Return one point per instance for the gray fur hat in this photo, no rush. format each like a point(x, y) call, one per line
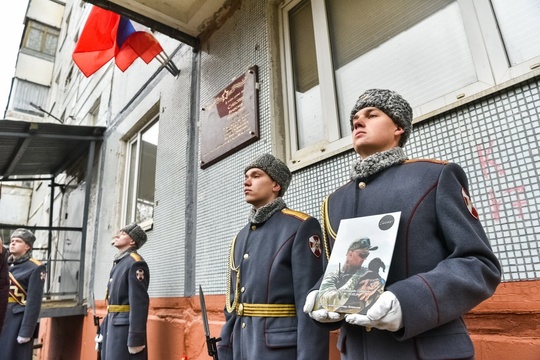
point(275, 168)
point(136, 233)
point(24, 234)
point(362, 243)
point(392, 104)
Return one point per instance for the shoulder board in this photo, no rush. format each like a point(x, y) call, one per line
point(300, 215)
point(136, 256)
point(35, 261)
point(347, 183)
point(435, 161)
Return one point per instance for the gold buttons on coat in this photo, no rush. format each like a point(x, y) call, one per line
point(253, 227)
point(361, 185)
point(246, 256)
point(243, 325)
point(243, 289)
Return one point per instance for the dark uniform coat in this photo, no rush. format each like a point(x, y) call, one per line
point(442, 265)
point(4, 285)
point(279, 261)
point(128, 285)
point(21, 320)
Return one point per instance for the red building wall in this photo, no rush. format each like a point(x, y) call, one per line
point(506, 326)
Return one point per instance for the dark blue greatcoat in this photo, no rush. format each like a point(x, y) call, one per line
point(277, 266)
point(128, 285)
point(442, 266)
point(21, 320)
point(4, 285)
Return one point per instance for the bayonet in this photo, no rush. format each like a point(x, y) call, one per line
point(210, 341)
point(98, 326)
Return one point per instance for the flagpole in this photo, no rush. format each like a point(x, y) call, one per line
point(164, 63)
point(167, 62)
point(167, 66)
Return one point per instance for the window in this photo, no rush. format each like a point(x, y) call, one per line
point(5, 236)
point(91, 117)
point(69, 77)
point(141, 175)
point(519, 27)
point(65, 28)
point(434, 53)
point(40, 39)
point(27, 93)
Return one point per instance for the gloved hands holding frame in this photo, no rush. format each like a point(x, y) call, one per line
point(385, 314)
point(320, 315)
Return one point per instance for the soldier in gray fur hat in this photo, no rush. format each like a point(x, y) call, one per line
point(425, 296)
point(27, 277)
point(276, 257)
point(127, 299)
point(4, 282)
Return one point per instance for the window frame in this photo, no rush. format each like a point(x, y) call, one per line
point(136, 137)
point(46, 29)
point(493, 71)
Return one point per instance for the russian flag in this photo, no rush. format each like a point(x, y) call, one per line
point(138, 44)
point(106, 35)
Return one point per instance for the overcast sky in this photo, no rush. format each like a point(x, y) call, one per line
point(11, 27)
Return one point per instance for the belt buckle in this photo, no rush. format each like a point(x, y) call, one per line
point(240, 310)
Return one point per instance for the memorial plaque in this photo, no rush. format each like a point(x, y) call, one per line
point(231, 121)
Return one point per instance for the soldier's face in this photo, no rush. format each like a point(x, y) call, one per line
point(374, 131)
point(18, 247)
point(259, 188)
point(123, 241)
point(355, 259)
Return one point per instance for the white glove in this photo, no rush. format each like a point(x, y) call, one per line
point(98, 340)
point(22, 340)
point(321, 315)
point(385, 314)
point(135, 349)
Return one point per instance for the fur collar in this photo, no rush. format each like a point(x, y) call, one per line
point(262, 214)
point(377, 162)
point(13, 260)
point(120, 255)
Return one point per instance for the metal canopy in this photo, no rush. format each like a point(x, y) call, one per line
point(40, 151)
point(37, 149)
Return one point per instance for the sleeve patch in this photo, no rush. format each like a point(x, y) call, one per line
point(140, 274)
point(315, 245)
point(469, 204)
